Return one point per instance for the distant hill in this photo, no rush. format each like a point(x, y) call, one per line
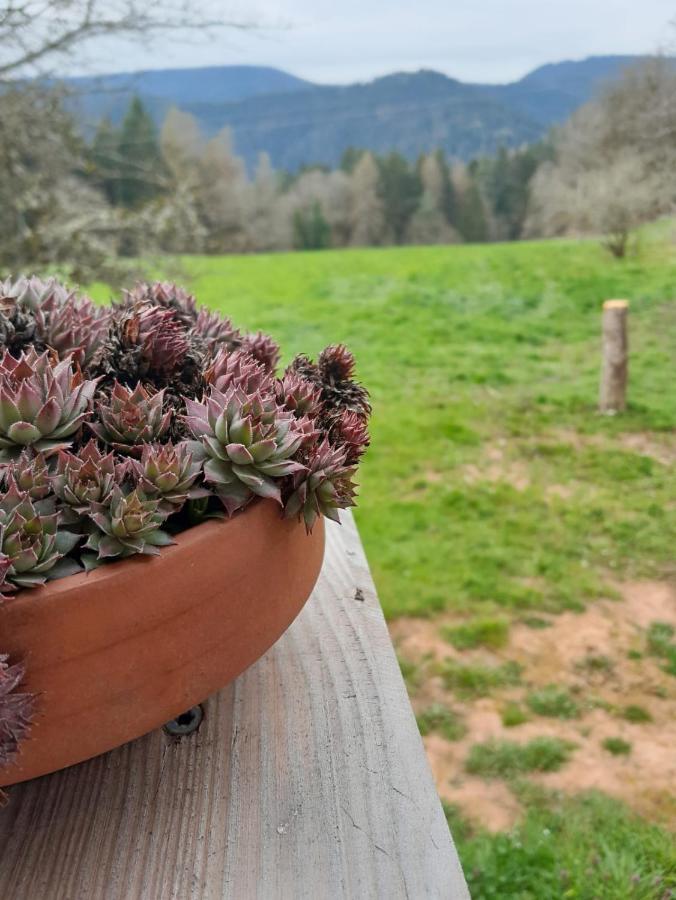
point(297, 122)
point(109, 95)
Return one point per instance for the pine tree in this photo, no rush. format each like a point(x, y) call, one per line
point(472, 222)
point(311, 231)
point(399, 189)
point(140, 160)
point(449, 201)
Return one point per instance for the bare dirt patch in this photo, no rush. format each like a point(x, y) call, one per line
point(593, 655)
point(658, 447)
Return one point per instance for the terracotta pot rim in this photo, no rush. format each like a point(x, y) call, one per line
point(112, 571)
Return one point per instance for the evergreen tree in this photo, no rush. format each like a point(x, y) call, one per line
point(350, 159)
point(449, 201)
point(140, 160)
point(105, 161)
point(472, 222)
point(400, 189)
point(311, 231)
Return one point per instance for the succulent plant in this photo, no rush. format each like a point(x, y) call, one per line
point(30, 540)
point(216, 331)
point(65, 322)
point(168, 473)
point(336, 363)
point(350, 432)
point(16, 710)
point(323, 488)
point(247, 442)
point(237, 368)
point(165, 295)
point(263, 349)
point(295, 440)
point(131, 418)
point(296, 393)
point(83, 479)
point(17, 321)
point(29, 474)
point(34, 293)
point(43, 402)
point(126, 524)
point(339, 390)
point(161, 338)
point(333, 375)
point(5, 586)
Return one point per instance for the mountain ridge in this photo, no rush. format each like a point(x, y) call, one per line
point(298, 122)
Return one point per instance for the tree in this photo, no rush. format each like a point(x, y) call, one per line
point(614, 161)
point(399, 189)
point(104, 160)
point(311, 231)
point(367, 215)
point(609, 201)
point(140, 164)
point(429, 224)
point(181, 144)
point(449, 203)
point(50, 214)
point(220, 194)
point(471, 216)
point(35, 34)
point(261, 212)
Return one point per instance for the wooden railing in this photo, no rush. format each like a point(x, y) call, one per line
point(307, 778)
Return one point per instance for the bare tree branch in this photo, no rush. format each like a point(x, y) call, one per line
point(33, 32)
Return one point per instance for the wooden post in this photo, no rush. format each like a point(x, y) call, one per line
point(614, 367)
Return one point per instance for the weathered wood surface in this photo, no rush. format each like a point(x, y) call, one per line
point(307, 779)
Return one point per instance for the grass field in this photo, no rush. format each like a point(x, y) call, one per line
point(497, 505)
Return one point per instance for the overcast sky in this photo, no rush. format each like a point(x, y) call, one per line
point(474, 40)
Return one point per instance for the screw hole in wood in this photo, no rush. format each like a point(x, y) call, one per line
point(185, 724)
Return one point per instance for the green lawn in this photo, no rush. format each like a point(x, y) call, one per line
point(475, 354)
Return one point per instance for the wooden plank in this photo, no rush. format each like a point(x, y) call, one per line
point(307, 779)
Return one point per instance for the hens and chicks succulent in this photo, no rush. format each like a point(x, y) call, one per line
point(121, 425)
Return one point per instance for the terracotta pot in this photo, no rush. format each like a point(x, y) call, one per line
point(117, 653)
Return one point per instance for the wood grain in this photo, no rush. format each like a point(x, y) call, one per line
point(307, 779)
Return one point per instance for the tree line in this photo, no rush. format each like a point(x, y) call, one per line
point(133, 189)
point(200, 197)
